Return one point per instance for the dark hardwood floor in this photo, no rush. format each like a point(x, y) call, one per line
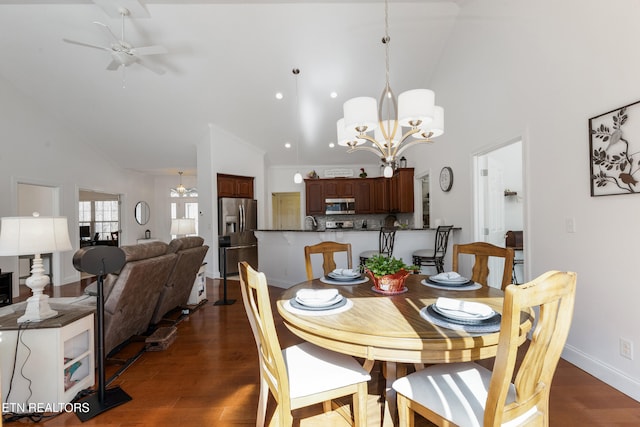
point(209, 377)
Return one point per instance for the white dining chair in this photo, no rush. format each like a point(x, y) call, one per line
point(469, 395)
point(300, 375)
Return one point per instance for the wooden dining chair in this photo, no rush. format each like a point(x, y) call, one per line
point(482, 252)
point(467, 394)
point(300, 375)
point(327, 249)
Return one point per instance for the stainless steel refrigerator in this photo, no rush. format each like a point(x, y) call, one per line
point(237, 219)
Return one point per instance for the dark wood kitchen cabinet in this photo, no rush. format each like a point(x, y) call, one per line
point(314, 194)
point(372, 195)
point(363, 193)
point(235, 186)
point(401, 186)
point(381, 196)
point(339, 188)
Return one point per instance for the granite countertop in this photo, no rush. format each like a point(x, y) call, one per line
point(321, 230)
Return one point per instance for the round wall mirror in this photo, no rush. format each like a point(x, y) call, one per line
point(142, 213)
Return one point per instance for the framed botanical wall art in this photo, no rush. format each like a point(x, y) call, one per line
point(614, 145)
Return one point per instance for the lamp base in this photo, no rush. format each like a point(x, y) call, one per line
point(37, 310)
point(112, 397)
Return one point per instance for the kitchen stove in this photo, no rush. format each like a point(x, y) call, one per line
point(338, 224)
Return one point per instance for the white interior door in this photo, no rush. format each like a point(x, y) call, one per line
point(496, 171)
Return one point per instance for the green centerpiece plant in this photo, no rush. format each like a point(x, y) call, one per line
point(388, 273)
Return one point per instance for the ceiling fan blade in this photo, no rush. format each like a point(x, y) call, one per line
point(87, 45)
point(106, 29)
point(113, 65)
point(149, 66)
point(149, 50)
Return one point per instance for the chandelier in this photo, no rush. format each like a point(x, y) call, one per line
point(414, 109)
point(182, 191)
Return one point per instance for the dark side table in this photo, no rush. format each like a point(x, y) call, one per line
point(6, 288)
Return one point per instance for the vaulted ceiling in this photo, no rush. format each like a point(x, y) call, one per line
point(225, 61)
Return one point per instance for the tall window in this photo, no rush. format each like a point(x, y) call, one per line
point(106, 217)
point(102, 216)
point(185, 209)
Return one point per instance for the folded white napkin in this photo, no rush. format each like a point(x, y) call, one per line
point(347, 272)
point(316, 295)
point(447, 275)
point(471, 308)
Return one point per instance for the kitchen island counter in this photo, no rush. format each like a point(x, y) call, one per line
point(281, 252)
point(322, 230)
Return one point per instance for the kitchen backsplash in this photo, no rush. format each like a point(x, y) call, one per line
point(374, 222)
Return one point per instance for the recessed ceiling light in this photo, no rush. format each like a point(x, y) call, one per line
point(331, 145)
point(287, 145)
point(334, 94)
point(279, 95)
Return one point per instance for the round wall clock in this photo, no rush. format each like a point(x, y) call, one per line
point(446, 178)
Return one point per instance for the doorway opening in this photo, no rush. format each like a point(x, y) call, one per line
point(426, 222)
point(98, 220)
point(45, 200)
point(499, 202)
point(286, 210)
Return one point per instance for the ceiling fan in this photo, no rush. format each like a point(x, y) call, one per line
point(124, 54)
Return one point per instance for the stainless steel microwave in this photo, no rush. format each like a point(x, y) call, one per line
point(340, 206)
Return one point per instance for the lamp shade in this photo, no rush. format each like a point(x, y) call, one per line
point(183, 226)
point(361, 112)
point(435, 127)
point(387, 129)
point(347, 137)
point(415, 105)
point(31, 235)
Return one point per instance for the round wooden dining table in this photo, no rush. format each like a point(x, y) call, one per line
point(390, 329)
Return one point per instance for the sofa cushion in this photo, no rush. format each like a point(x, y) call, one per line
point(183, 243)
point(132, 253)
point(144, 251)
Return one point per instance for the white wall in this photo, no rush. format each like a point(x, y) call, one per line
point(539, 70)
point(225, 153)
point(36, 150)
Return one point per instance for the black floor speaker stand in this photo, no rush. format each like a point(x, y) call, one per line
point(224, 300)
point(100, 260)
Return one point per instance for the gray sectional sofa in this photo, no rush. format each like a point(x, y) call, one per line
point(156, 278)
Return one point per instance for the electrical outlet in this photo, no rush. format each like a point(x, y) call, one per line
point(570, 225)
point(626, 348)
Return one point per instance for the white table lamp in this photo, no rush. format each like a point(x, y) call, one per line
point(35, 235)
point(183, 226)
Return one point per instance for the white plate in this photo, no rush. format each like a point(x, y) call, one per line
point(342, 278)
point(469, 311)
point(446, 281)
point(346, 273)
point(319, 303)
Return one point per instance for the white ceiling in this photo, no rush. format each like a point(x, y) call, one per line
point(226, 61)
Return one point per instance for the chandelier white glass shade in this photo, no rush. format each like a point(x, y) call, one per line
point(35, 235)
point(182, 191)
point(183, 226)
point(377, 126)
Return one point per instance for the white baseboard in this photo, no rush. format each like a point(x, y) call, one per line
point(603, 371)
